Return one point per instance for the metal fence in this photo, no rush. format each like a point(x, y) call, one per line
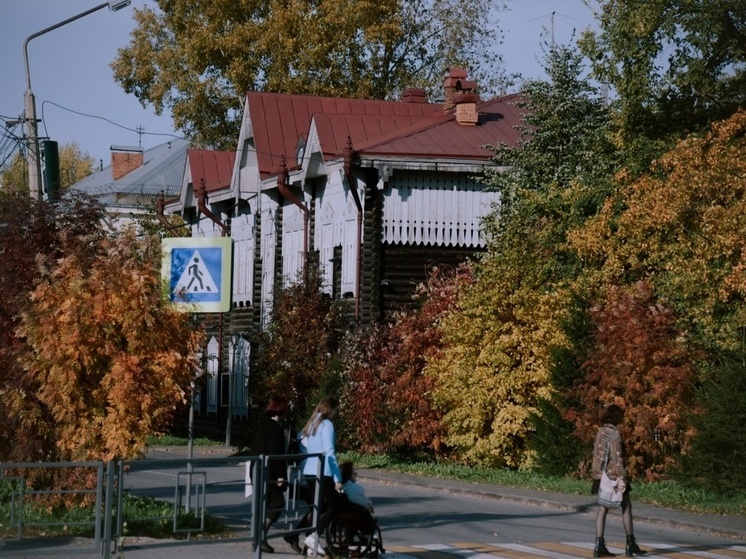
point(195, 490)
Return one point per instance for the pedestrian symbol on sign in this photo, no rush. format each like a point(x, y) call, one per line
point(195, 278)
point(197, 273)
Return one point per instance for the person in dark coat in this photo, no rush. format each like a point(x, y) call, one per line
point(271, 439)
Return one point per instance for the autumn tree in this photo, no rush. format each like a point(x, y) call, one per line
point(297, 350)
point(681, 228)
point(387, 395)
point(75, 165)
point(31, 231)
point(675, 67)
point(199, 57)
point(640, 361)
point(493, 370)
point(108, 359)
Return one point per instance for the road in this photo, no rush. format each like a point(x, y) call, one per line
point(412, 516)
point(456, 520)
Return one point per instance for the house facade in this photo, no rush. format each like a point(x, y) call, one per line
point(376, 191)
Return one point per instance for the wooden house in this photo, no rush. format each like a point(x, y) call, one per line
point(377, 190)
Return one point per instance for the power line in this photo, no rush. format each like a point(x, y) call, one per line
point(138, 130)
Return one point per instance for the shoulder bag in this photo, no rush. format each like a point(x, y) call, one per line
point(609, 493)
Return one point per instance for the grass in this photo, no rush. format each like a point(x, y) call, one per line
point(156, 519)
point(666, 494)
point(150, 518)
point(171, 440)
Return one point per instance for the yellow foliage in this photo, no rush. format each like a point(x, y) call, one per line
point(494, 365)
point(682, 228)
point(111, 359)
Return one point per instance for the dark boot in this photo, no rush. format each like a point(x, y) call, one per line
point(293, 541)
point(265, 547)
point(632, 549)
point(600, 549)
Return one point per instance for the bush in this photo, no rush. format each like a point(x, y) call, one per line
point(718, 450)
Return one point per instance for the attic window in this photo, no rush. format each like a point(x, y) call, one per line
point(300, 149)
point(248, 146)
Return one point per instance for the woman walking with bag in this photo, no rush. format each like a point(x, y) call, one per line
point(608, 457)
point(318, 437)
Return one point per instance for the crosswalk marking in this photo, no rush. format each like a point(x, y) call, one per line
point(558, 550)
point(476, 551)
point(703, 551)
point(538, 551)
point(573, 550)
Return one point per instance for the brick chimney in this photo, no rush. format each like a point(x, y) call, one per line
point(414, 95)
point(461, 96)
point(124, 160)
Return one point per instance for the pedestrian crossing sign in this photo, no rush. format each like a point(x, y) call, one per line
point(197, 273)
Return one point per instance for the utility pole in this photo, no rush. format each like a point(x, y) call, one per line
point(33, 157)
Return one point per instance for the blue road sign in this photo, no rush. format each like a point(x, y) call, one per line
point(197, 273)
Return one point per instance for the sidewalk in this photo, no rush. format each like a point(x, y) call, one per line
point(240, 547)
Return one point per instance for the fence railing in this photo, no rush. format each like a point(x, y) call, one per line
point(194, 488)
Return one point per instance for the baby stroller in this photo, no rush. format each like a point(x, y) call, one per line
point(354, 532)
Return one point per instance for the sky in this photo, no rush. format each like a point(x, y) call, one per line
point(78, 100)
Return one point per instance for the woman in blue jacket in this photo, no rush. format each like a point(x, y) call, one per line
point(318, 438)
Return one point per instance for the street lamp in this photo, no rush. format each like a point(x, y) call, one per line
point(33, 158)
point(235, 337)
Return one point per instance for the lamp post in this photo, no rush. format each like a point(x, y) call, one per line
point(33, 158)
point(235, 336)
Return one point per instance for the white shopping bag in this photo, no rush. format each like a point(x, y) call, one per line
point(248, 486)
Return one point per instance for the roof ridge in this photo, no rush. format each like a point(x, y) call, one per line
point(430, 122)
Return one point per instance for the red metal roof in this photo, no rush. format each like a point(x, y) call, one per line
point(377, 128)
point(215, 167)
point(445, 138)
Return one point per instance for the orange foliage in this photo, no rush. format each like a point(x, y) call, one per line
point(682, 228)
point(110, 360)
point(640, 362)
point(387, 397)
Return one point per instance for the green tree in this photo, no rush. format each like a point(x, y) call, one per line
point(715, 460)
point(675, 66)
point(14, 176)
point(493, 370)
point(199, 57)
point(108, 359)
point(553, 439)
point(75, 165)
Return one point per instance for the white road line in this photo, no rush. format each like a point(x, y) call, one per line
point(535, 551)
point(690, 551)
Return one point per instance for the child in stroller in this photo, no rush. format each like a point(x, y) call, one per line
point(354, 532)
